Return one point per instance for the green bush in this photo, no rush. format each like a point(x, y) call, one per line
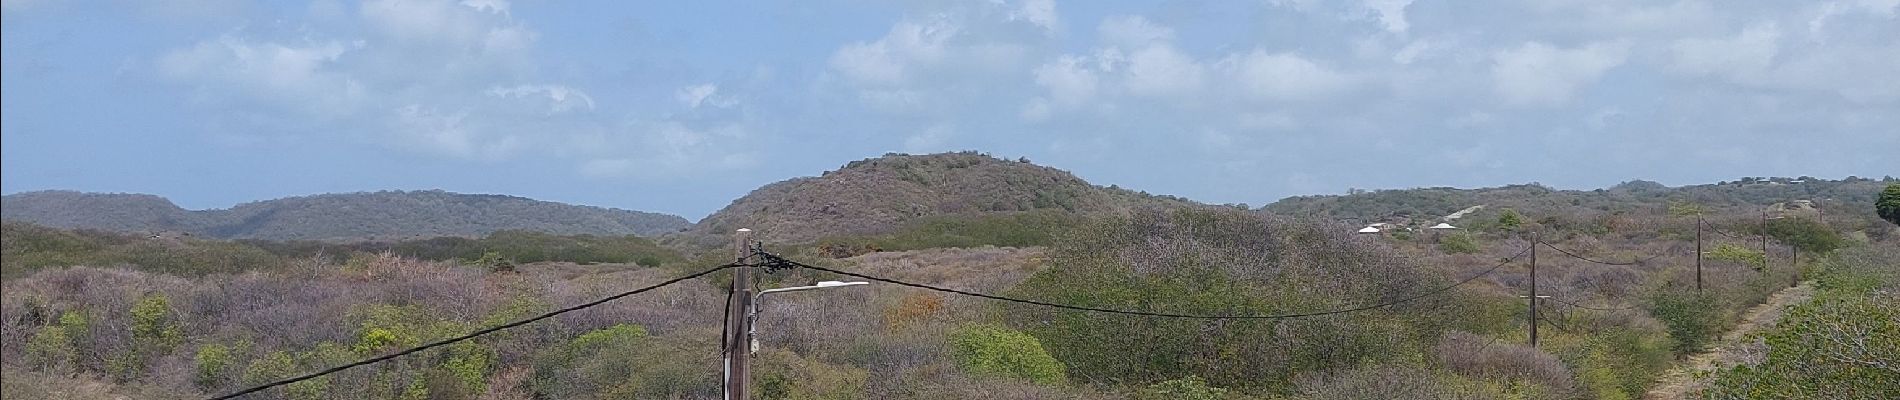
point(1691, 318)
point(1458, 243)
point(1839, 345)
point(998, 351)
point(56, 346)
point(215, 362)
point(1808, 235)
point(1738, 254)
point(781, 374)
point(1509, 220)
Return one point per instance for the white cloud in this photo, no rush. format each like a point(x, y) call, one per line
point(1041, 13)
point(1540, 74)
point(671, 149)
point(702, 95)
point(559, 99)
point(1391, 14)
point(931, 139)
point(1284, 76)
point(893, 58)
point(1746, 56)
point(1133, 31)
point(449, 133)
point(1069, 80)
point(304, 78)
point(1162, 70)
point(465, 25)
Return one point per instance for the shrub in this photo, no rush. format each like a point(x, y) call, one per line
point(155, 332)
point(781, 374)
point(1807, 234)
point(1458, 243)
point(215, 362)
point(1692, 322)
point(1738, 254)
point(998, 351)
point(1509, 220)
point(56, 346)
point(1839, 345)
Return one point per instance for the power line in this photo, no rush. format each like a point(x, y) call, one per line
point(1717, 231)
point(772, 261)
point(1580, 257)
point(1592, 308)
point(471, 335)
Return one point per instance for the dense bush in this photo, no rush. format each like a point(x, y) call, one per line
point(1692, 322)
point(999, 351)
point(25, 248)
point(1218, 262)
point(1843, 344)
point(499, 248)
point(1458, 243)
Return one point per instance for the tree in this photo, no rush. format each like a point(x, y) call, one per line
point(1509, 220)
point(1889, 205)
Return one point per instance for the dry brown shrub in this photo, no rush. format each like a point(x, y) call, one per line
point(1479, 357)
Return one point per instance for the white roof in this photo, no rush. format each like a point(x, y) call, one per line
point(1368, 230)
point(1442, 225)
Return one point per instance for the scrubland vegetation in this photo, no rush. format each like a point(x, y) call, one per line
point(95, 315)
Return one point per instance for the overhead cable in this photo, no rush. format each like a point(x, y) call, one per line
point(1580, 257)
point(471, 335)
point(774, 259)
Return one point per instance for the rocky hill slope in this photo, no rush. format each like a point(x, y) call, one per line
point(881, 194)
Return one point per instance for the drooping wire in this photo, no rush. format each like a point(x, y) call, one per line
point(1573, 304)
point(1712, 228)
point(772, 258)
point(471, 335)
point(1580, 257)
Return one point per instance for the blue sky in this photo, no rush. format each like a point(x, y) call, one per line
point(680, 107)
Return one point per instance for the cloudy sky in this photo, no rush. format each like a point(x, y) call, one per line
point(680, 107)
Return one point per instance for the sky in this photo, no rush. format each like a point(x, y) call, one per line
point(681, 107)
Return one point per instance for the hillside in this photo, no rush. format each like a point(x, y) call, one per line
point(879, 195)
point(1743, 196)
point(350, 216)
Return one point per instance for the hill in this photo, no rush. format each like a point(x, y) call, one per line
point(880, 195)
point(349, 216)
point(1743, 196)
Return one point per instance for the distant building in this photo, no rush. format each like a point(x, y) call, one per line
point(1368, 230)
point(1442, 226)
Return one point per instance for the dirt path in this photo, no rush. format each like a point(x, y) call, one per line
point(1681, 381)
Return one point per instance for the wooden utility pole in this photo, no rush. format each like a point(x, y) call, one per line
point(1533, 289)
point(1698, 253)
point(738, 347)
point(1764, 240)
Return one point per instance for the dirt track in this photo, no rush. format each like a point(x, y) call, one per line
point(1681, 382)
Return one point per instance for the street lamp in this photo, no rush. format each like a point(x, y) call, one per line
point(752, 315)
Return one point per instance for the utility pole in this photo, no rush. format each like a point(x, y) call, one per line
point(1698, 253)
point(1764, 240)
point(738, 346)
point(1533, 289)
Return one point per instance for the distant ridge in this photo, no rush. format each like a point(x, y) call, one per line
point(344, 216)
point(880, 194)
point(1854, 195)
